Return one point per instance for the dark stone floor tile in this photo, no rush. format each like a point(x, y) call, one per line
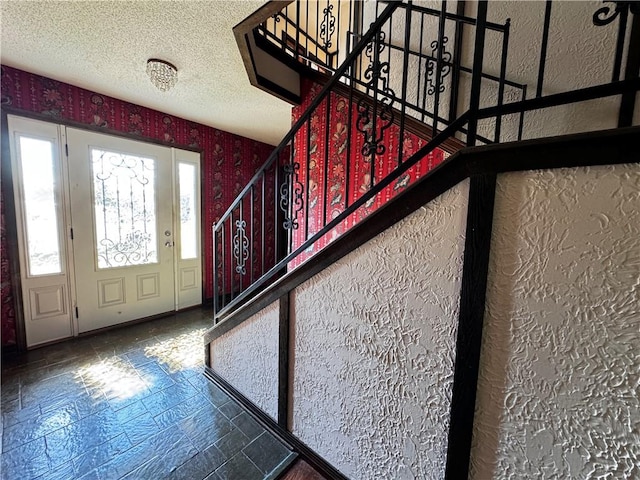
point(140, 428)
point(12, 417)
point(209, 390)
point(232, 443)
point(155, 377)
point(179, 412)
point(90, 404)
point(72, 441)
point(100, 454)
point(130, 412)
point(138, 357)
point(239, 467)
point(266, 452)
point(66, 471)
point(169, 397)
point(26, 462)
point(248, 425)
point(165, 462)
point(52, 390)
point(206, 427)
point(230, 409)
point(139, 454)
point(38, 426)
point(199, 466)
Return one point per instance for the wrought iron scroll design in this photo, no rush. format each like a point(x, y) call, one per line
point(291, 192)
point(375, 116)
point(438, 48)
point(328, 26)
point(241, 247)
point(607, 14)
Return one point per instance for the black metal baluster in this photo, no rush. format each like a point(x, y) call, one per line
point(405, 69)
point(223, 265)
point(374, 133)
point(326, 161)
point(543, 47)
point(521, 121)
point(317, 22)
point(231, 262)
point(503, 73)
point(252, 234)
point(308, 182)
point(297, 46)
point(337, 53)
point(347, 167)
point(440, 43)
point(424, 77)
point(276, 210)
point(263, 208)
point(457, 55)
point(476, 76)
point(622, 32)
point(215, 271)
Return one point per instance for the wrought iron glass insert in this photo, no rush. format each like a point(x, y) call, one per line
point(125, 210)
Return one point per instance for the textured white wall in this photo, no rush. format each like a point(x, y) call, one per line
point(374, 338)
point(560, 370)
point(247, 357)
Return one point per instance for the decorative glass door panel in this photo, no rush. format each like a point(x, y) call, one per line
point(125, 214)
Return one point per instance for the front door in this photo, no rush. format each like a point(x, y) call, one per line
point(121, 209)
point(108, 228)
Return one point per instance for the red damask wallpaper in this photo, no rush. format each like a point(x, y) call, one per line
point(228, 160)
point(311, 155)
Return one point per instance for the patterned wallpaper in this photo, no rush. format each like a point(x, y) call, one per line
point(228, 160)
point(345, 183)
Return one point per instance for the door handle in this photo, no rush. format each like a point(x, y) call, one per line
point(168, 244)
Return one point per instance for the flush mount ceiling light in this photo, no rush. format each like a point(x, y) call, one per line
point(162, 74)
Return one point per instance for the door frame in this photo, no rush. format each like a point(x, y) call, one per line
point(11, 225)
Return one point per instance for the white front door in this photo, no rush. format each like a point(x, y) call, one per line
point(121, 208)
point(108, 228)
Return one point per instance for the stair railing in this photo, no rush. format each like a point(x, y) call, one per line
point(267, 226)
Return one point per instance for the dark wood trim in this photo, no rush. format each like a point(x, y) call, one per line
point(584, 149)
point(309, 456)
point(11, 229)
point(632, 70)
point(245, 28)
point(482, 190)
point(283, 363)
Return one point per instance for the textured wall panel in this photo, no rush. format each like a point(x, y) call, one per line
point(560, 368)
point(374, 339)
point(247, 357)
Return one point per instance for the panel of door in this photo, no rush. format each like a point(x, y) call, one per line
point(121, 209)
point(38, 173)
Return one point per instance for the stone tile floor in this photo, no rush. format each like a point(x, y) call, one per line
point(129, 403)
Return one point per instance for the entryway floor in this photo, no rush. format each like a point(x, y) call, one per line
point(129, 403)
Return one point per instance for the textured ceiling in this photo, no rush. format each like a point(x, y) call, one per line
point(104, 45)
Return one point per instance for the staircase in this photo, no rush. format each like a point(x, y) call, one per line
point(405, 107)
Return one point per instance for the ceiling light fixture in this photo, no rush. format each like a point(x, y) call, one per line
point(162, 74)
